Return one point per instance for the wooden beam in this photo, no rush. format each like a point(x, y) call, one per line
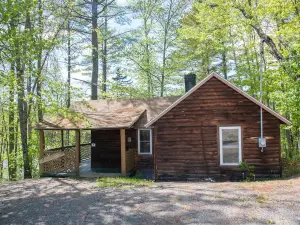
point(51, 157)
point(42, 149)
point(62, 140)
point(77, 152)
point(123, 151)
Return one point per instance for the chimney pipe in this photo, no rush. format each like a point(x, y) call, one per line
point(189, 81)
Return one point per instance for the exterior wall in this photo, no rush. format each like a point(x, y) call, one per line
point(107, 152)
point(186, 138)
point(145, 163)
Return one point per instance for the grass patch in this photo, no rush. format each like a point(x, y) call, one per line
point(261, 199)
point(120, 182)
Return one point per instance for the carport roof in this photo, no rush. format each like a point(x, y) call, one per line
point(107, 114)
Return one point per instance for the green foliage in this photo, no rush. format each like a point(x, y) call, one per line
point(224, 36)
point(169, 39)
point(291, 166)
point(251, 169)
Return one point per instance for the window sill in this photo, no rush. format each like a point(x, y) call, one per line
point(226, 166)
point(145, 154)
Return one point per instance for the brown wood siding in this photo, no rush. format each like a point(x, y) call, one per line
point(145, 163)
point(132, 134)
point(187, 136)
point(107, 153)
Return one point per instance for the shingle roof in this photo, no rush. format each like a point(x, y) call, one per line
point(108, 114)
point(126, 113)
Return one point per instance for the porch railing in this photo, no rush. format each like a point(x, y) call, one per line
point(85, 151)
point(64, 158)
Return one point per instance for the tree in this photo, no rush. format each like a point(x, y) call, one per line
point(234, 30)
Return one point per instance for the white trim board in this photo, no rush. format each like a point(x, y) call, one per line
point(139, 143)
point(222, 147)
point(266, 108)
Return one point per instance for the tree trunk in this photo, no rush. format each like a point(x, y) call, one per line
point(147, 49)
point(69, 66)
point(289, 138)
point(22, 103)
point(224, 64)
point(22, 106)
point(39, 69)
point(95, 56)
point(162, 87)
point(11, 128)
point(104, 53)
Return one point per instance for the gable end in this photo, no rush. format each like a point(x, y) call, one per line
point(229, 84)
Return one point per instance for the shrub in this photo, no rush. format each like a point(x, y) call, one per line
point(291, 166)
point(251, 169)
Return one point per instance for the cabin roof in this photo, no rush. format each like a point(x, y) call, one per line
point(107, 114)
point(125, 113)
point(229, 84)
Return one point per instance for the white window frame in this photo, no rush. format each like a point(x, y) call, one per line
point(221, 145)
point(139, 143)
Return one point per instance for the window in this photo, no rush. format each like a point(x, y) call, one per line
point(230, 145)
point(145, 141)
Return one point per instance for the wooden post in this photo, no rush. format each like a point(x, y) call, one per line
point(123, 151)
point(77, 152)
point(62, 140)
point(42, 150)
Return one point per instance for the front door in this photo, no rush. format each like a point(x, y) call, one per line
point(106, 150)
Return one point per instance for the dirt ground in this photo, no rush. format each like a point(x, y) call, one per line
point(70, 201)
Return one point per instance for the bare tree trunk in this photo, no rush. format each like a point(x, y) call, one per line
point(104, 52)
point(11, 128)
point(4, 145)
point(69, 66)
point(39, 69)
point(224, 64)
point(22, 106)
point(22, 103)
point(162, 87)
point(147, 49)
point(289, 138)
point(166, 31)
point(95, 56)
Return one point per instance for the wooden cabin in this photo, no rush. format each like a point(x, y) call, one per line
point(206, 133)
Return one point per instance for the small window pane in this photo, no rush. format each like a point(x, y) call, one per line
point(230, 138)
point(144, 135)
point(230, 155)
point(144, 147)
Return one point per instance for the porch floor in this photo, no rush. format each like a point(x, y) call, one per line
point(86, 171)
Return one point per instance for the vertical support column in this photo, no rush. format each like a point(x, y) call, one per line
point(123, 151)
point(77, 152)
point(42, 150)
point(62, 140)
point(62, 161)
point(154, 140)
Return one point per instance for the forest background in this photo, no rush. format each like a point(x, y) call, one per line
point(54, 52)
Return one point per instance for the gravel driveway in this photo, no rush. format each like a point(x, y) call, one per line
point(70, 201)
